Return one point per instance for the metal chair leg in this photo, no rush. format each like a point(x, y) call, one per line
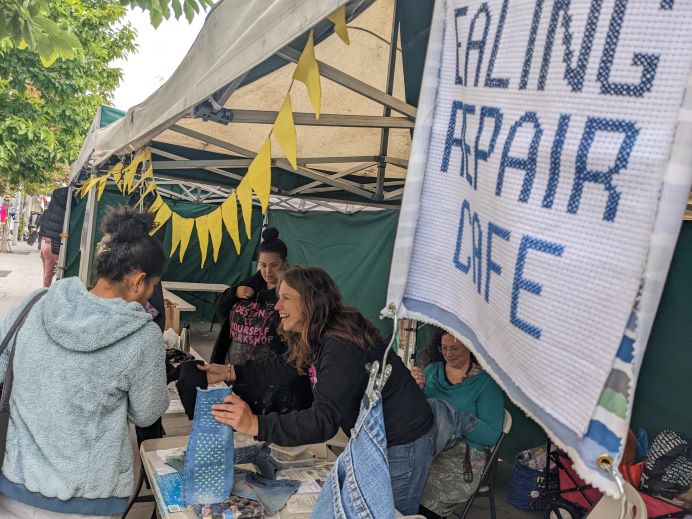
point(467, 507)
point(491, 498)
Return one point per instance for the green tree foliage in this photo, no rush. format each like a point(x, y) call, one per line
point(36, 24)
point(163, 9)
point(45, 112)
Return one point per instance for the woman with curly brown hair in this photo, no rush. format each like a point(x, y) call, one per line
point(333, 343)
point(454, 376)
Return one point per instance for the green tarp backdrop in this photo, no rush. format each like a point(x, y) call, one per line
point(355, 249)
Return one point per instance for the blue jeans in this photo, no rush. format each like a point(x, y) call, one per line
point(451, 425)
point(409, 465)
point(272, 493)
point(359, 485)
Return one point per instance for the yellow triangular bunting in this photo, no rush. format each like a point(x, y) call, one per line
point(186, 225)
point(149, 173)
point(117, 172)
point(175, 232)
point(82, 191)
point(156, 205)
point(285, 132)
point(151, 187)
point(308, 72)
point(202, 224)
point(229, 213)
point(129, 176)
point(102, 181)
point(162, 216)
point(259, 174)
point(244, 194)
point(338, 18)
point(215, 229)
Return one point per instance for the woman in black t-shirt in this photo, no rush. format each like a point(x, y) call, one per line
point(333, 343)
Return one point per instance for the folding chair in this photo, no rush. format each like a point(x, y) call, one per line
point(486, 488)
point(608, 507)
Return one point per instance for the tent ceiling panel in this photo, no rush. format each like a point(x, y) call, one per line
point(237, 36)
point(340, 154)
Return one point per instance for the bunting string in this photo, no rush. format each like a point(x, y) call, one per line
point(209, 227)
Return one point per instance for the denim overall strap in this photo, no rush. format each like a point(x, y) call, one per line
point(208, 476)
point(359, 485)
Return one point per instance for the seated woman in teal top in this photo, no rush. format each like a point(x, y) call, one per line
point(454, 375)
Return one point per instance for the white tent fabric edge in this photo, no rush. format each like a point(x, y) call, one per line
point(259, 30)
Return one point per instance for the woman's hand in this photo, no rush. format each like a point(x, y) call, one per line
point(218, 373)
point(236, 413)
point(243, 292)
point(418, 376)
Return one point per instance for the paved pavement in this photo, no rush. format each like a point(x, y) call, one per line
point(20, 274)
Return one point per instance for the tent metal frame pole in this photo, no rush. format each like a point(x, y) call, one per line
point(245, 162)
point(62, 257)
point(214, 190)
point(219, 98)
point(350, 171)
point(384, 136)
point(308, 119)
point(161, 165)
point(217, 171)
point(88, 237)
point(173, 194)
point(280, 163)
point(356, 85)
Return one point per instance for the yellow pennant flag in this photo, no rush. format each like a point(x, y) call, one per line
point(186, 225)
point(129, 176)
point(117, 173)
point(150, 188)
point(130, 170)
point(338, 18)
point(202, 224)
point(102, 181)
point(82, 191)
point(285, 132)
point(244, 194)
point(156, 205)
point(308, 72)
point(149, 173)
point(162, 216)
point(229, 213)
point(259, 174)
point(215, 228)
point(175, 232)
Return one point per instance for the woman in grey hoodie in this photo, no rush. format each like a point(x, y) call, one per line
point(87, 361)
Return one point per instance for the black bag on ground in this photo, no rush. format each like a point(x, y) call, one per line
point(9, 377)
point(668, 465)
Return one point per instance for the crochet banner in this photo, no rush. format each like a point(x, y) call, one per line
point(544, 195)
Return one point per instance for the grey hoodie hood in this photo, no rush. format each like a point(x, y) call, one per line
point(80, 321)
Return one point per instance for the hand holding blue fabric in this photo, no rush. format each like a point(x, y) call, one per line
point(236, 413)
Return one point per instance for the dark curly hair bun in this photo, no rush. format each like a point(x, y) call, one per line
point(272, 243)
point(126, 224)
point(270, 233)
point(126, 246)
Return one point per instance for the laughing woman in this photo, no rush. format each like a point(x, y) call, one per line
point(333, 343)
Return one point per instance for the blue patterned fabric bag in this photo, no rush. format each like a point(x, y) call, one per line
point(208, 475)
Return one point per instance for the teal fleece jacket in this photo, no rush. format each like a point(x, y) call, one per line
point(84, 366)
point(478, 395)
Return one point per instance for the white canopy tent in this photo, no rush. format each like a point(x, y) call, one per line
point(225, 94)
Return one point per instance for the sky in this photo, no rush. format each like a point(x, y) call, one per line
point(159, 53)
